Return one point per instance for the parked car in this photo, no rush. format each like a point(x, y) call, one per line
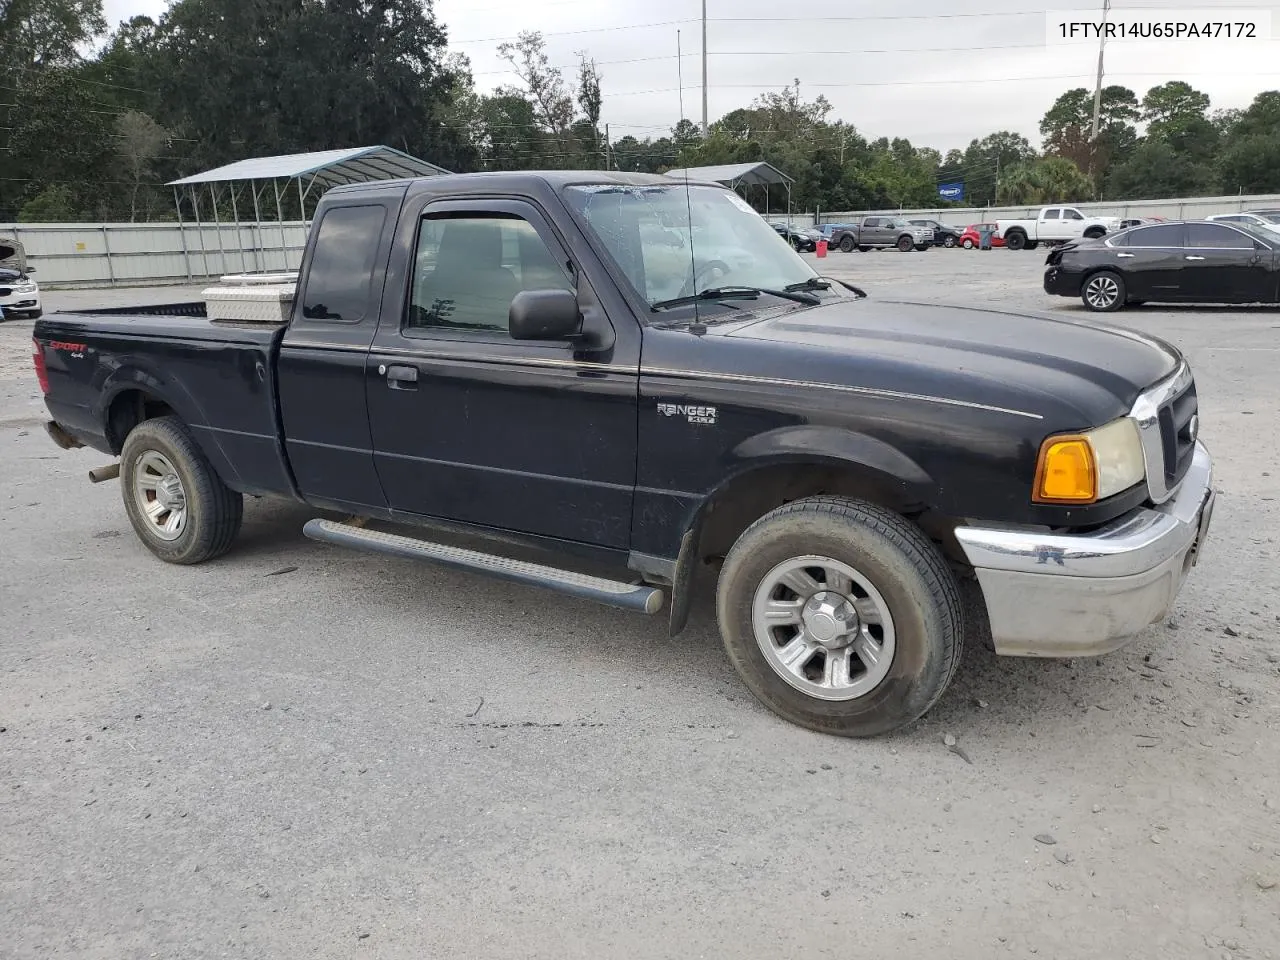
point(971, 237)
point(19, 293)
point(1139, 221)
point(1054, 225)
point(878, 232)
point(1182, 261)
point(497, 355)
point(1259, 218)
point(943, 235)
point(803, 239)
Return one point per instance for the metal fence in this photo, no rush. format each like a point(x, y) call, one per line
point(107, 254)
point(1191, 208)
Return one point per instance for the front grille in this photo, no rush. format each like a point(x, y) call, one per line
point(1178, 429)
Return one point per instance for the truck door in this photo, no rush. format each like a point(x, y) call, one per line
point(321, 366)
point(1050, 225)
point(1072, 225)
point(872, 231)
point(472, 426)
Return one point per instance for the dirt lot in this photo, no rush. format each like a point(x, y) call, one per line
point(301, 752)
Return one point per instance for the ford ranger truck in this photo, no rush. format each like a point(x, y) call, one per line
point(607, 382)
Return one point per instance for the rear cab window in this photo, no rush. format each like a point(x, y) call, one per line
point(339, 281)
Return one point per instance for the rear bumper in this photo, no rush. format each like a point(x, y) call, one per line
point(1059, 283)
point(1077, 595)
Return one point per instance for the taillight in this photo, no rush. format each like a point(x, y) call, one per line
point(37, 357)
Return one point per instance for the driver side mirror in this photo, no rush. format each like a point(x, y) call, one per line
point(545, 315)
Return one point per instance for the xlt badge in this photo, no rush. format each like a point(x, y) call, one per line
point(694, 414)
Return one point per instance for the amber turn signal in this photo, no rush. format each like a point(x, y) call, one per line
point(1067, 471)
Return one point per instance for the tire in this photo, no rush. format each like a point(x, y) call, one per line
point(1016, 240)
point(922, 621)
point(864, 249)
point(155, 452)
point(1093, 233)
point(35, 314)
point(922, 247)
point(949, 242)
point(1103, 292)
point(968, 244)
point(1032, 245)
point(906, 244)
point(846, 244)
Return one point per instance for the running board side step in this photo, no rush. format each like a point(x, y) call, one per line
point(629, 596)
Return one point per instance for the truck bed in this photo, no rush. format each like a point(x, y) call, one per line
point(217, 375)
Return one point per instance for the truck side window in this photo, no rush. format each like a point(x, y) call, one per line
point(1051, 214)
point(1070, 214)
point(469, 267)
point(339, 280)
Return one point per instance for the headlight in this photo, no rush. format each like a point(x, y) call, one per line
point(25, 288)
point(1086, 467)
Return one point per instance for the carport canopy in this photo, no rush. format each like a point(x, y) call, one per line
point(756, 174)
point(734, 175)
point(248, 180)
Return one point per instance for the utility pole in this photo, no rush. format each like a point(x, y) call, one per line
point(704, 69)
point(1097, 90)
point(996, 198)
point(679, 75)
point(606, 146)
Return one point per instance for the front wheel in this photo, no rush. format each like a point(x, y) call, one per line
point(906, 244)
point(1103, 292)
point(178, 505)
point(840, 616)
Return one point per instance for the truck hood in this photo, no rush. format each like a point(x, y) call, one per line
point(1073, 373)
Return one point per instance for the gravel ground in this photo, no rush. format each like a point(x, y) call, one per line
point(297, 751)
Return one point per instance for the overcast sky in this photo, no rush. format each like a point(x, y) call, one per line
point(939, 72)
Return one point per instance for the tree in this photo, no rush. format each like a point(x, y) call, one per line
point(1252, 164)
point(545, 84)
point(984, 158)
point(47, 33)
point(140, 143)
point(1067, 127)
point(1155, 169)
point(1045, 180)
point(1261, 117)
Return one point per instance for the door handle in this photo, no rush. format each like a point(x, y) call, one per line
point(402, 377)
point(1126, 254)
point(1193, 258)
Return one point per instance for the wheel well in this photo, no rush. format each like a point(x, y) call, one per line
point(750, 496)
point(1094, 232)
point(128, 410)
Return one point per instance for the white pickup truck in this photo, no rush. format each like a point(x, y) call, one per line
point(1053, 225)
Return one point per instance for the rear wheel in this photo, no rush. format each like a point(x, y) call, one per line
point(840, 616)
point(968, 244)
point(906, 244)
point(1016, 240)
point(1103, 292)
point(846, 244)
point(178, 505)
point(949, 242)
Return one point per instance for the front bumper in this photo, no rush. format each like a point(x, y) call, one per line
point(1079, 595)
point(18, 303)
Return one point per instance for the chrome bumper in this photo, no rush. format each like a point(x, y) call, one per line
point(1065, 595)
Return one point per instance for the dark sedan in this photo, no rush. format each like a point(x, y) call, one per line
point(1190, 261)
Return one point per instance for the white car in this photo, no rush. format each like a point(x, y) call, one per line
point(1269, 219)
point(19, 294)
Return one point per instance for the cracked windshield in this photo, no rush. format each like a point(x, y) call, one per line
point(674, 242)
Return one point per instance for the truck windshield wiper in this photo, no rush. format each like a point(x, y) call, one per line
point(823, 283)
point(738, 293)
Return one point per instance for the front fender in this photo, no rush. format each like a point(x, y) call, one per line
point(835, 446)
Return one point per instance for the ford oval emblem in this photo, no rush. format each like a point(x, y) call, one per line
point(1193, 427)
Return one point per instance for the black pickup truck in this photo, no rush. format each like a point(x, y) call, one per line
point(630, 374)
